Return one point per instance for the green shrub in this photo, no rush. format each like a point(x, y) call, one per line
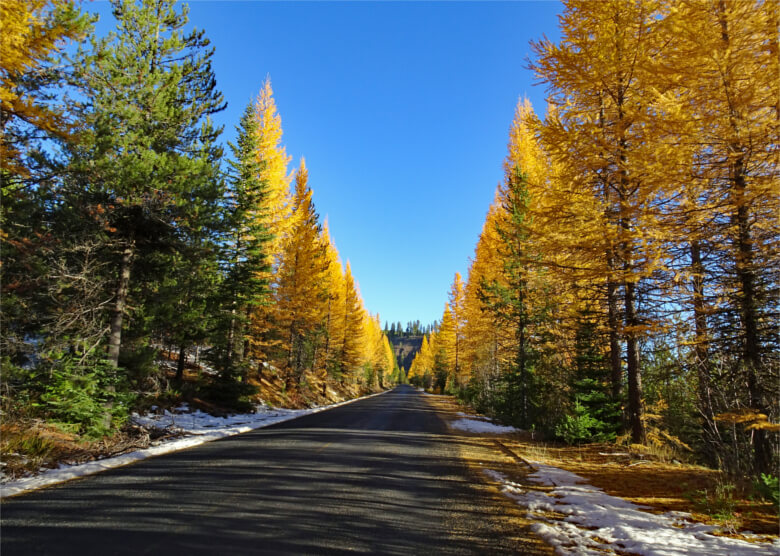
point(85, 399)
point(720, 504)
point(231, 394)
point(767, 486)
point(140, 365)
point(577, 428)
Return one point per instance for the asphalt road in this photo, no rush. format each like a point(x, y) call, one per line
point(378, 476)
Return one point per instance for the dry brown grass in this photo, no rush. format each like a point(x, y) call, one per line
point(634, 474)
point(313, 391)
point(661, 486)
point(31, 445)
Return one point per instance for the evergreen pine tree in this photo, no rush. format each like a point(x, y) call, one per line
point(246, 256)
point(513, 302)
point(591, 386)
point(147, 155)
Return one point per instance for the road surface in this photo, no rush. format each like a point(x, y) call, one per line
point(378, 476)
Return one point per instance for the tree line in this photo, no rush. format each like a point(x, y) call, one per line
point(126, 229)
point(626, 279)
point(413, 328)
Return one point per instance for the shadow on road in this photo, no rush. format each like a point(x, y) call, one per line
point(376, 476)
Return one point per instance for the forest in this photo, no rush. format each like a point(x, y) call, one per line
point(141, 261)
point(625, 284)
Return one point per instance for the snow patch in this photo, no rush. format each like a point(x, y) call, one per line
point(198, 428)
point(474, 425)
point(595, 523)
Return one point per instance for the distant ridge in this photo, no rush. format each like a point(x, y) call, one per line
point(405, 348)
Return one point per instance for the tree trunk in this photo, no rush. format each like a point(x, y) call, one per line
point(749, 316)
point(457, 354)
point(181, 363)
point(291, 358)
point(701, 346)
point(326, 354)
point(231, 339)
point(615, 362)
point(521, 361)
point(631, 332)
point(117, 319)
point(634, 377)
point(246, 348)
point(120, 304)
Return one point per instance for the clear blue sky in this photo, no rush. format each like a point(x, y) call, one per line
point(402, 110)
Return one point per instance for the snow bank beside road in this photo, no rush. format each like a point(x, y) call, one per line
point(198, 428)
point(597, 523)
point(198, 423)
point(474, 425)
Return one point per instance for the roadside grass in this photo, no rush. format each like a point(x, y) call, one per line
point(642, 476)
point(707, 494)
point(29, 445)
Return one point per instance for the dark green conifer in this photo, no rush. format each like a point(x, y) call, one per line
point(246, 256)
point(146, 167)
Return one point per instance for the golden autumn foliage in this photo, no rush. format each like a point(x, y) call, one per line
point(635, 231)
point(446, 346)
point(316, 324)
point(273, 161)
point(602, 95)
point(378, 356)
point(300, 294)
point(334, 320)
point(421, 369)
point(481, 354)
point(457, 302)
point(31, 31)
point(751, 418)
point(351, 354)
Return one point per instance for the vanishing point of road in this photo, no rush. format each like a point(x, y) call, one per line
point(381, 475)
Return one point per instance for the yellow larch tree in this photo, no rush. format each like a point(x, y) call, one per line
point(334, 319)
point(276, 212)
point(300, 294)
point(421, 369)
point(720, 120)
point(445, 355)
point(570, 227)
point(412, 374)
point(482, 353)
point(602, 90)
point(534, 269)
point(457, 301)
point(516, 298)
point(415, 373)
point(374, 361)
point(350, 356)
point(389, 361)
point(273, 161)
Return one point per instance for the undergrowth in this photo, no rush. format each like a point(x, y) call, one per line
point(720, 504)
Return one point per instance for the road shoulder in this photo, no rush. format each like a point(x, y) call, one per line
point(482, 453)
